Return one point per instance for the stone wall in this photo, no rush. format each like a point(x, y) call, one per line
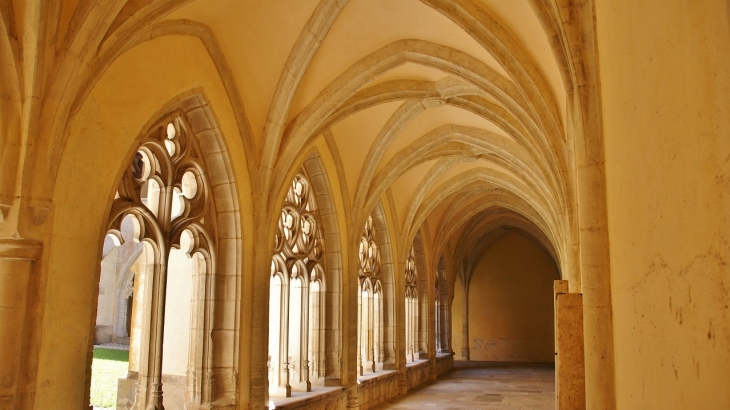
point(510, 303)
point(417, 373)
point(378, 389)
point(373, 390)
point(665, 93)
point(334, 399)
point(444, 363)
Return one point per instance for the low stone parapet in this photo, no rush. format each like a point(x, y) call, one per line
point(444, 363)
point(417, 373)
point(377, 388)
point(319, 399)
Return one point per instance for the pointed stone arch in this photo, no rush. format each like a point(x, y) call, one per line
point(424, 309)
point(324, 328)
point(333, 261)
point(389, 347)
point(213, 357)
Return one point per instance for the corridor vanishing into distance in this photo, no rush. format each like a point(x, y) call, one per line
point(350, 204)
point(485, 385)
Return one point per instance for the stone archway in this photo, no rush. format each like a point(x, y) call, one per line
point(424, 309)
point(305, 287)
point(332, 360)
point(186, 127)
point(389, 349)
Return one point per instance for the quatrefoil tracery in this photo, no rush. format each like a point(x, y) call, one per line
point(369, 254)
point(410, 276)
point(165, 187)
point(298, 243)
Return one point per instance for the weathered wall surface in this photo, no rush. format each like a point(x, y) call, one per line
point(665, 78)
point(510, 304)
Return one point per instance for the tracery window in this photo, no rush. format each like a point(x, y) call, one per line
point(370, 308)
point(165, 195)
point(297, 292)
point(411, 308)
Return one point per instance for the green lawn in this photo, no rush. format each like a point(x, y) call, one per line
point(108, 366)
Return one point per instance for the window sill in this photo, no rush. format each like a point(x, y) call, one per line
point(373, 377)
point(300, 399)
point(417, 362)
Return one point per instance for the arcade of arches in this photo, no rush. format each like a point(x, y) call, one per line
point(325, 203)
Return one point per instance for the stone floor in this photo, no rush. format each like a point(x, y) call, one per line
point(485, 385)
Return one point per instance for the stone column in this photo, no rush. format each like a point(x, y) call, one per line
point(371, 333)
point(304, 336)
point(284, 338)
point(431, 333)
point(16, 267)
point(465, 323)
point(153, 379)
point(569, 356)
point(353, 396)
point(437, 315)
point(360, 346)
point(331, 335)
point(445, 327)
point(132, 388)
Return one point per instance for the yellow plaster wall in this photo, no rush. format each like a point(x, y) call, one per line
point(511, 303)
point(665, 78)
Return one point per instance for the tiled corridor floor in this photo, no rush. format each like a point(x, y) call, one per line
point(485, 385)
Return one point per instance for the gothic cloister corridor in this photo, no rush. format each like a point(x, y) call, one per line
point(326, 204)
point(484, 385)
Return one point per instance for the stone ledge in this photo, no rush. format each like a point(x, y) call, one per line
point(371, 378)
point(23, 249)
point(306, 399)
point(376, 388)
point(416, 363)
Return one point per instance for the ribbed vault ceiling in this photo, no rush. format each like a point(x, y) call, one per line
point(452, 111)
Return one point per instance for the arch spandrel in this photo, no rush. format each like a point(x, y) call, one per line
point(130, 61)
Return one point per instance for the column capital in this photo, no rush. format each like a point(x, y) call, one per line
point(25, 249)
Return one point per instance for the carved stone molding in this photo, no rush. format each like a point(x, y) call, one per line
point(166, 193)
point(369, 253)
point(40, 214)
point(298, 256)
point(19, 249)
